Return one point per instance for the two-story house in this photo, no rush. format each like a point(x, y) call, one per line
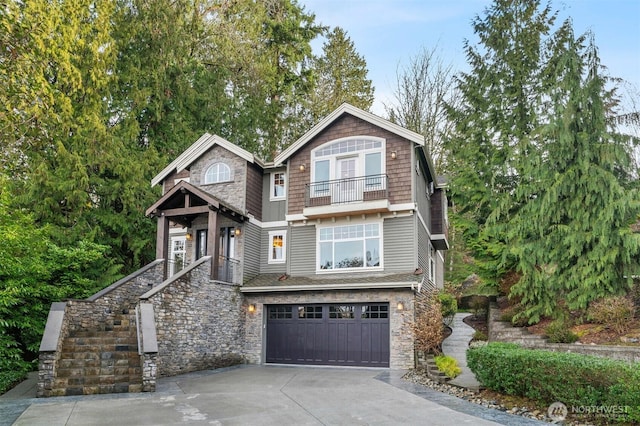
point(318, 257)
point(328, 242)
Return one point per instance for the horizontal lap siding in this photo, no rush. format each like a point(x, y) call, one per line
point(251, 239)
point(302, 250)
point(399, 244)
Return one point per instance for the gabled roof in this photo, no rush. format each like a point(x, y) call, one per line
point(356, 112)
point(199, 147)
point(199, 202)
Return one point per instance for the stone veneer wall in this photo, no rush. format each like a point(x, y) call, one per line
point(93, 312)
point(402, 353)
point(232, 192)
point(198, 321)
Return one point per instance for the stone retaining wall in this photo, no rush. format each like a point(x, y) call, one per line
point(198, 321)
point(625, 353)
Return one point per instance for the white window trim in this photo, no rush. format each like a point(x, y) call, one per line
point(432, 264)
point(204, 178)
point(270, 258)
point(361, 155)
point(272, 187)
point(351, 270)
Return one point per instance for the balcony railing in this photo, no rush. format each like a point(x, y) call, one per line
point(228, 270)
point(350, 190)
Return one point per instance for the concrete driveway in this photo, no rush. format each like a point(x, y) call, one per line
point(269, 395)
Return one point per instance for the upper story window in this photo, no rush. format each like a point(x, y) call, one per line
point(349, 158)
point(278, 188)
point(216, 173)
point(350, 247)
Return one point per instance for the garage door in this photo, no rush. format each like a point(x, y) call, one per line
point(336, 334)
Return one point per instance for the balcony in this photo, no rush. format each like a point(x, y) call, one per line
point(365, 194)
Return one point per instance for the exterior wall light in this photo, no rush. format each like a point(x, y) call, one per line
point(400, 306)
point(237, 232)
point(393, 155)
point(252, 308)
point(189, 236)
point(302, 167)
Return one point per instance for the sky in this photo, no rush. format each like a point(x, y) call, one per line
point(388, 33)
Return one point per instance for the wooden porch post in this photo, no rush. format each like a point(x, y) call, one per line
point(213, 242)
point(162, 240)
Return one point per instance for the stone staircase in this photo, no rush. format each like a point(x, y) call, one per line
point(102, 360)
point(501, 331)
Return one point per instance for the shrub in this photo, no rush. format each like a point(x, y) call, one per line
point(448, 365)
point(574, 379)
point(479, 335)
point(479, 305)
point(513, 315)
point(427, 327)
point(559, 331)
point(448, 304)
point(615, 312)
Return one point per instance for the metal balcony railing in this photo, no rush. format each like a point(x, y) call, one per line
point(350, 190)
point(228, 270)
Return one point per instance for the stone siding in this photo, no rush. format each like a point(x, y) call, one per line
point(198, 322)
point(401, 339)
point(232, 193)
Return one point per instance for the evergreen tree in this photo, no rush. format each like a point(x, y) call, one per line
point(573, 240)
point(341, 77)
point(492, 148)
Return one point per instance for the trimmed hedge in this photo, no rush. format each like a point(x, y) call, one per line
point(573, 379)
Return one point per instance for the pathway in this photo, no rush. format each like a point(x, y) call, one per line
point(456, 345)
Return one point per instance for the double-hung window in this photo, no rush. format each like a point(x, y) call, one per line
point(278, 188)
point(350, 247)
point(277, 246)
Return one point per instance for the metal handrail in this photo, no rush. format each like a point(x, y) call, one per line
point(349, 190)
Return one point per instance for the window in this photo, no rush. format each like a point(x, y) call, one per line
point(342, 311)
point(310, 312)
point(349, 158)
point(277, 246)
point(278, 190)
point(432, 264)
point(280, 312)
point(349, 247)
point(375, 311)
point(218, 172)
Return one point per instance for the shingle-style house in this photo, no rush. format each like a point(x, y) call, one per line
point(315, 258)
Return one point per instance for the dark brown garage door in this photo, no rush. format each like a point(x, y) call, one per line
point(336, 334)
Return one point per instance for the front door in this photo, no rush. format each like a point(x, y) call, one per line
point(227, 253)
point(347, 188)
point(177, 253)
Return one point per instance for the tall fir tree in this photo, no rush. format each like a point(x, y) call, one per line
point(500, 107)
point(573, 239)
point(341, 76)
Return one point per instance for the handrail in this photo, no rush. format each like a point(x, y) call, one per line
point(349, 190)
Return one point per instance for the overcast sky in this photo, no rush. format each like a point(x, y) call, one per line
point(389, 32)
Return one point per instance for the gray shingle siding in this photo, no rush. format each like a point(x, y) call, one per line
point(271, 210)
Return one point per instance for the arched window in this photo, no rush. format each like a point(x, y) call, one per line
point(218, 172)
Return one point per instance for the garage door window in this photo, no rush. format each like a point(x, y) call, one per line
point(280, 312)
point(375, 311)
point(310, 312)
point(342, 311)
